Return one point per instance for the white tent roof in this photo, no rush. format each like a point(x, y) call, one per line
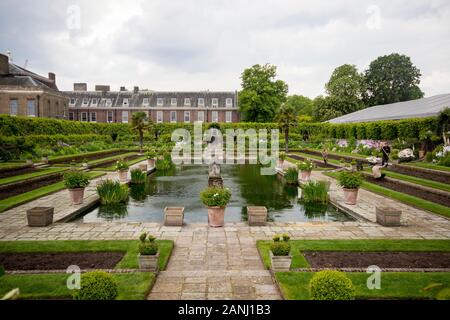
point(425, 107)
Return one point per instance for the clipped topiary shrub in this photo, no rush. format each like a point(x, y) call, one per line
point(331, 285)
point(96, 285)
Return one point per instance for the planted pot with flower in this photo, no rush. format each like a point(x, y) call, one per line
point(148, 252)
point(216, 199)
point(305, 168)
point(280, 250)
point(151, 155)
point(29, 161)
point(76, 182)
point(350, 181)
point(45, 158)
point(122, 170)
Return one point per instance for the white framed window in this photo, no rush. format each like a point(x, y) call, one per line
point(159, 117)
point(125, 102)
point(145, 102)
point(229, 102)
point(14, 107)
point(84, 117)
point(108, 103)
point(124, 116)
point(72, 101)
point(85, 102)
point(187, 116)
point(71, 116)
point(201, 116)
point(173, 102)
point(187, 101)
point(215, 102)
point(215, 116)
point(160, 102)
point(31, 108)
point(94, 102)
point(201, 102)
point(93, 116)
point(109, 117)
point(228, 116)
point(173, 116)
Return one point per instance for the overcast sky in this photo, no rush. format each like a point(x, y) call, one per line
point(198, 45)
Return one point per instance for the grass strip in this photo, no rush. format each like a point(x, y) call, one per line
point(19, 199)
point(130, 163)
point(40, 172)
point(394, 285)
point(427, 165)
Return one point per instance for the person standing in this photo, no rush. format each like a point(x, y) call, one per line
point(325, 155)
point(385, 150)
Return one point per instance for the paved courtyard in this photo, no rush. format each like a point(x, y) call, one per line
point(222, 263)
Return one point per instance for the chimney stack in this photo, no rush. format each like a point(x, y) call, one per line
point(123, 89)
point(52, 77)
point(79, 87)
point(102, 88)
point(136, 90)
point(4, 64)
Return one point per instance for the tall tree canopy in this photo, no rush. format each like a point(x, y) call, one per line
point(303, 105)
point(330, 107)
point(261, 95)
point(392, 78)
point(346, 82)
point(286, 118)
point(139, 124)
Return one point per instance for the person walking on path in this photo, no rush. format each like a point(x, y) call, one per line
point(325, 155)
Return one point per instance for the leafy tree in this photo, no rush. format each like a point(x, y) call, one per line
point(302, 104)
point(139, 124)
point(346, 82)
point(287, 118)
point(330, 107)
point(261, 95)
point(392, 78)
point(443, 124)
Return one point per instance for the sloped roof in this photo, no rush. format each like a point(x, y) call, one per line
point(425, 107)
point(22, 77)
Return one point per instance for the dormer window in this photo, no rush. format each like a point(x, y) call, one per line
point(125, 102)
point(187, 101)
point(108, 102)
point(85, 102)
point(201, 102)
point(160, 102)
point(146, 102)
point(215, 102)
point(173, 102)
point(94, 102)
point(72, 101)
point(229, 102)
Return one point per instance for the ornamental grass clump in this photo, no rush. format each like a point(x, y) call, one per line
point(147, 245)
point(281, 245)
point(315, 192)
point(350, 179)
point(97, 285)
point(138, 176)
point(215, 196)
point(331, 285)
point(74, 179)
point(291, 175)
point(112, 192)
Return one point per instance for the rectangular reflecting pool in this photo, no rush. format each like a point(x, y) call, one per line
point(182, 185)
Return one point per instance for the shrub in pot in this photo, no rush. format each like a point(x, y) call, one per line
point(280, 250)
point(331, 285)
point(122, 170)
point(148, 252)
point(350, 182)
point(76, 182)
point(96, 285)
point(216, 199)
point(151, 155)
point(305, 168)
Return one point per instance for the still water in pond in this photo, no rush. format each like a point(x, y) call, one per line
point(181, 188)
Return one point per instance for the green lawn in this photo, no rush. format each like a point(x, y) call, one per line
point(130, 163)
point(10, 165)
point(86, 154)
point(310, 156)
point(40, 172)
point(298, 261)
point(428, 165)
point(402, 197)
point(129, 261)
point(394, 285)
point(338, 153)
point(14, 201)
point(116, 157)
point(131, 286)
point(421, 181)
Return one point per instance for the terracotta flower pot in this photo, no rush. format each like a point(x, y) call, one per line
point(280, 164)
point(305, 175)
point(123, 175)
point(350, 196)
point(216, 216)
point(45, 160)
point(76, 195)
point(151, 163)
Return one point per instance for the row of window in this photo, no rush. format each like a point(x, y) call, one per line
point(107, 102)
point(92, 116)
point(14, 107)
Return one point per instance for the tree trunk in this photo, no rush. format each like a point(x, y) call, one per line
point(286, 140)
point(141, 140)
